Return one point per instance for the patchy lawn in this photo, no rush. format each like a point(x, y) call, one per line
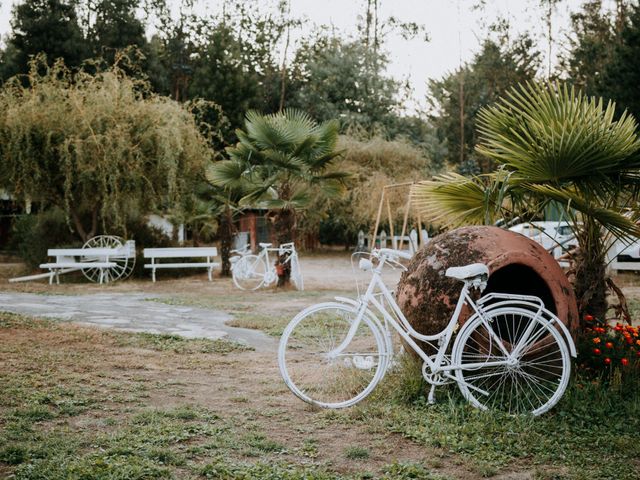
point(84, 403)
point(93, 404)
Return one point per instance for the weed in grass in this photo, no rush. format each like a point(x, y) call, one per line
point(166, 456)
point(356, 453)
point(96, 466)
point(222, 470)
point(272, 325)
point(404, 383)
point(177, 344)
point(13, 320)
point(309, 448)
point(264, 444)
point(34, 413)
point(239, 399)
point(13, 454)
point(402, 471)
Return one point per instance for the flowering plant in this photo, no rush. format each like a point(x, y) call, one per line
point(604, 348)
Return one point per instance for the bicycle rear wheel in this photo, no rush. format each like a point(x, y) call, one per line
point(317, 373)
point(535, 368)
point(249, 272)
point(296, 274)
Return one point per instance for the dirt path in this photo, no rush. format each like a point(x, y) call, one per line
point(135, 312)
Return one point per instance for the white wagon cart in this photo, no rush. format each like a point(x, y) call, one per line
point(102, 259)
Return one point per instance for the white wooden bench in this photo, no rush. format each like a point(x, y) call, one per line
point(66, 261)
point(181, 252)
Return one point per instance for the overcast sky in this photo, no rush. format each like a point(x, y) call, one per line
point(454, 27)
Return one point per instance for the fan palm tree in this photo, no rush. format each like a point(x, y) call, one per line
point(280, 160)
point(209, 211)
point(552, 145)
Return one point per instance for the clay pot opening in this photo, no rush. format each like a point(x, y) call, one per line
point(520, 279)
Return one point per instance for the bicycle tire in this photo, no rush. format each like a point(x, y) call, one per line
point(537, 375)
point(296, 274)
point(331, 381)
point(249, 272)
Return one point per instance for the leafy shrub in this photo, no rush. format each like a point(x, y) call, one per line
point(373, 163)
point(33, 234)
point(146, 236)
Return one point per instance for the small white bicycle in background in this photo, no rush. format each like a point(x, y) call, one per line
point(251, 272)
point(511, 355)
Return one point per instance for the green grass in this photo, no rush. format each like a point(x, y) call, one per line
point(244, 306)
point(272, 325)
point(356, 453)
point(177, 344)
point(65, 413)
point(87, 422)
point(592, 433)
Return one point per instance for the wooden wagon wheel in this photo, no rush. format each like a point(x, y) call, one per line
point(124, 262)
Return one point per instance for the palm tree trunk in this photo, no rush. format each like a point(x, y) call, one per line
point(226, 237)
point(590, 271)
point(285, 225)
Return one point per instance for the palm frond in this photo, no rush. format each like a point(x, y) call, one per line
point(613, 221)
point(454, 200)
point(550, 133)
point(228, 174)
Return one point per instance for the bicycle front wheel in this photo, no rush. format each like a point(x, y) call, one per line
point(317, 371)
point(515, 362)
point(249, 272)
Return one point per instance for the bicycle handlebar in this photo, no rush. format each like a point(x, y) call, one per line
point(389, 252)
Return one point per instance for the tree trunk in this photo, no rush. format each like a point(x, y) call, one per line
point(226, 237)
point(590, 272)
point(80, 230)
point(285, 225)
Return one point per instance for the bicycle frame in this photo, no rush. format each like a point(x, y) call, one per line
point(408, 333)
point(264, 255)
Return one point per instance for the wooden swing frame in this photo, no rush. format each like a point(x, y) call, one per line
point(405, 220)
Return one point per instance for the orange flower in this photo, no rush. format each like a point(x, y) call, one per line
point(597, 340)
point(625, 362)
point(608, 345)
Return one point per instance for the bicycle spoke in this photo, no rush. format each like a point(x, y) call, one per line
point(531, 381)
point(333, 380)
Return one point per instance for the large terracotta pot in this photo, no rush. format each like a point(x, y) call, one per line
point(516, 264)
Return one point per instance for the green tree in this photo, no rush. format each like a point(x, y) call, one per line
point(100, 146)
point(333, 78)
point(591, 44)
point(457, 98)
point(372, 164)
point(225, 74)
point(43, 26)
point(552, 144)
point(116, 27)
point(621, 75)
point(280, 161)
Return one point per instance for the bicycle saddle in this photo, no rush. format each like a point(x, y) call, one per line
point(265, 245)
point(468, 271)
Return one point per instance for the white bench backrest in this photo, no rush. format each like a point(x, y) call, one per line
point(179, 252)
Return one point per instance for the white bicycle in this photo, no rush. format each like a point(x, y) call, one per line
point(512, 354)
point(251, 272)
